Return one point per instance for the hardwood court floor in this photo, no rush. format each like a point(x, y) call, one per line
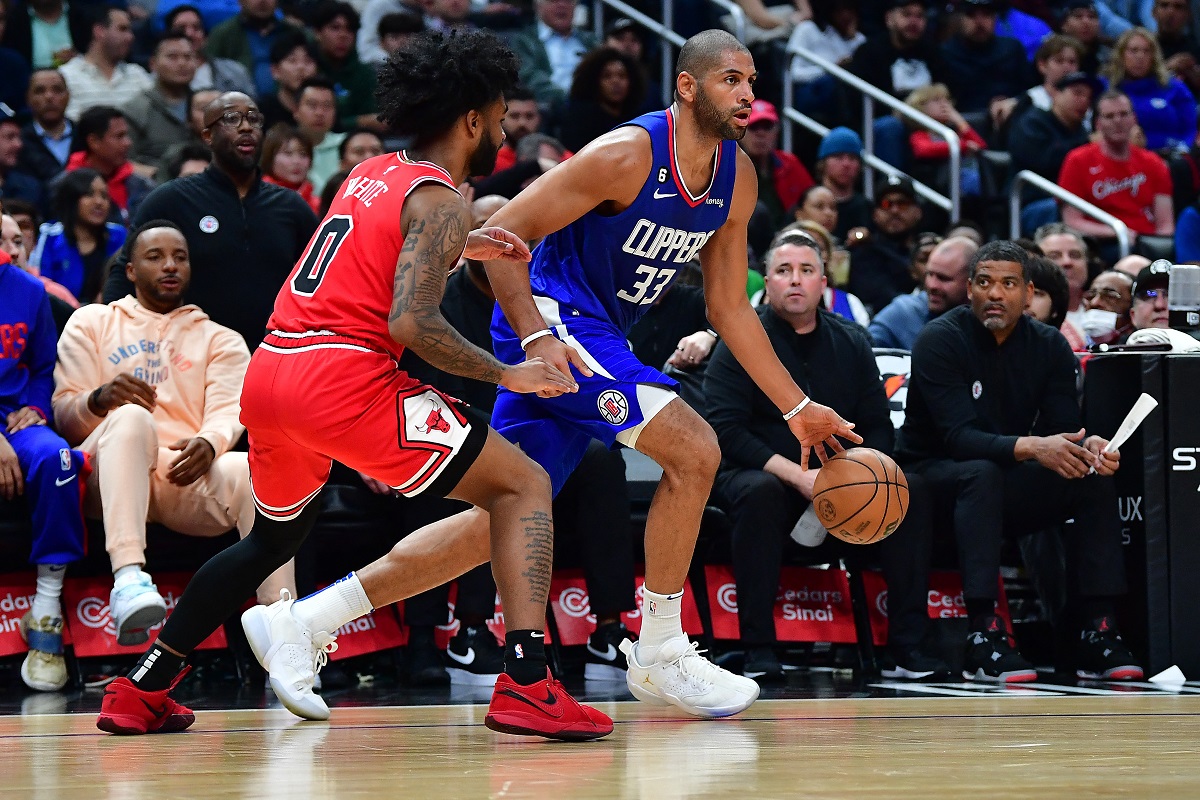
point(1038, 746)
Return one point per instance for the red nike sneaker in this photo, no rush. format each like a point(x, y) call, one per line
point(128, 710)
point(543, 709)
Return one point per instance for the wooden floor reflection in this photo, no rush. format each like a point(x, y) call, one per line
point(1036, 747)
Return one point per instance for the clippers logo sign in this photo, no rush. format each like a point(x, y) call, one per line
point(813, 605)
point(85, 601)
point(573, 611)
point(894, 368)
point(945, 601)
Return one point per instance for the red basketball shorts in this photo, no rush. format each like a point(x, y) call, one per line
point(313, 399)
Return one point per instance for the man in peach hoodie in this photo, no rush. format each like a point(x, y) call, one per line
point(150, 388)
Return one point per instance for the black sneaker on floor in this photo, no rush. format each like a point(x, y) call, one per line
point(1103, 655)
point(992, 656)
point(913, 665)
point(605, 661)
point(423, 664)
point(474, 657)
point(762, 665)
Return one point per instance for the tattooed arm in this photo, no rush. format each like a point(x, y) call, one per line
point(435, 223)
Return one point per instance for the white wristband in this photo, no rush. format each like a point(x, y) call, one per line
point(797, 409)
point(534, 337)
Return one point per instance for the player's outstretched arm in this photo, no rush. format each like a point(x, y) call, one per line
point(723, 261)
point(435, 223)
point(610, 170)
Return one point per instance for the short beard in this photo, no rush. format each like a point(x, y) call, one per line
point(713, 121)
point(995, 323)
point(483, 160)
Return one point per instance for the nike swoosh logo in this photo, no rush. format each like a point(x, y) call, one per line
point(536, 635)
point(158, 712)
point(466, 660)
point(60, 482)
point(660, 196)
point(548, 706)
point(610, 655)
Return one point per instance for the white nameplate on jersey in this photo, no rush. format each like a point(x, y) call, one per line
point(365, 189)
point(650, 241)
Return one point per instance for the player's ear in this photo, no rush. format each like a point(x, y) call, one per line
point(685, 86)
point(474, 122)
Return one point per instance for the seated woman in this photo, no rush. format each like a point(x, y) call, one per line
point(608, 89)
point(286, 158)
point(74, 250)
point(818, 205)
point(1048, 303)
point(1164, 106)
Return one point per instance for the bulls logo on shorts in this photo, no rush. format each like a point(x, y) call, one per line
point(613, 406)
point(429, 420)
point(434, 422)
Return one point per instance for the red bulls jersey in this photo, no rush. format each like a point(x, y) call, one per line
point(340, 293)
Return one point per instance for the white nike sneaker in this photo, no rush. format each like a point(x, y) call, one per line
point(136, 606)
point(291, 654)
point(681, 677)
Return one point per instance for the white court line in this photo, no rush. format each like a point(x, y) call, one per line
point(970, 690)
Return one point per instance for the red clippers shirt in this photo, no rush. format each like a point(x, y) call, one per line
point(342, 287)
point(1125, 189)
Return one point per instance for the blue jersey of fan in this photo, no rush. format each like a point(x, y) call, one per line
point(614, 267)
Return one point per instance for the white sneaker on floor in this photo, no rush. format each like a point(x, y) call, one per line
point(291, 654)
point(681, 677)
point(136, 606)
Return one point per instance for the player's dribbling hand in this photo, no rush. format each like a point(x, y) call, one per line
point(537, 376)
point(818, 427)
point(495, 244)
point(561, 356)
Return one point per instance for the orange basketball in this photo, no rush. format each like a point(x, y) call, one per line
point(861, 495)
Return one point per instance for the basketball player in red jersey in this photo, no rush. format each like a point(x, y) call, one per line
point(324, 386)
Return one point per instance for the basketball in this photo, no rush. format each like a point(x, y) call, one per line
point(860, 496)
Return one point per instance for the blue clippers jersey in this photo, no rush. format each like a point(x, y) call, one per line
point(614, 267)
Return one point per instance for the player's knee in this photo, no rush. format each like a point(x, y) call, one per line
point(695, 457)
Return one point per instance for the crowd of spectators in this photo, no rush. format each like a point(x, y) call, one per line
point(231, 129)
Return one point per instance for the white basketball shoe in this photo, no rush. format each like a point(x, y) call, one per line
point(680, 676)
point(291, 654)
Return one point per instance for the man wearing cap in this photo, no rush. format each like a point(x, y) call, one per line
point(879, 269)
point(1129, 182)
point(1149, 309)
point(1040, 140)
point(14, 183)
point(781, 176)
point(839, 166)
point(984, 68)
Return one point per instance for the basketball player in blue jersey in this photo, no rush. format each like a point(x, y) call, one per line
point(619, 221)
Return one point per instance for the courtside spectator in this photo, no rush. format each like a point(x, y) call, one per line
point(945, 287)
point(28, 217)
point(1165, 108)
point(608, 89)
point(834, 300)
point(1149, 309)
point(1066, 247)
point(551, 50)
point(879, 270)
point(839, 168)
point(1040, 140)
point(1129, 182)
point(14, 243)
point(158, 116)
point(244, 235)
point(13, 182)
point(761, 483)
point(102, 76)
point(48, 136)
point(523, 118)
point(781, 176)
point(1109, 301)
point(1048, 300)
point(293, 61)
point(47, 33)
point(983, 69)
point(316, 115)
point(37, 463)
point(357, 147)
point(102, 143)
point(286, 159)
point(247, 39)
point(220, 74)
point(335, 24)
point(148, 387)
point(74, 250)
point(1007, 448)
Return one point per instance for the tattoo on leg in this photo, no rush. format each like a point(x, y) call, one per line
point(539, 554)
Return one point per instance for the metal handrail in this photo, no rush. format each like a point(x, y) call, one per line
point(1033, 179)
point(739, 17)
point(663, 30)
point(870, 96)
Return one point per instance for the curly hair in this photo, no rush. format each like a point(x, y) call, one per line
point(434, 80)
point(585, 85)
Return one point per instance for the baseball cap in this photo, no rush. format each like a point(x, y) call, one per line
point(1076, 78)
point(1155, 276)
point(619, 25)
point(894, 184)
point(839, 141)
point(7, 114)
point(762, 111)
